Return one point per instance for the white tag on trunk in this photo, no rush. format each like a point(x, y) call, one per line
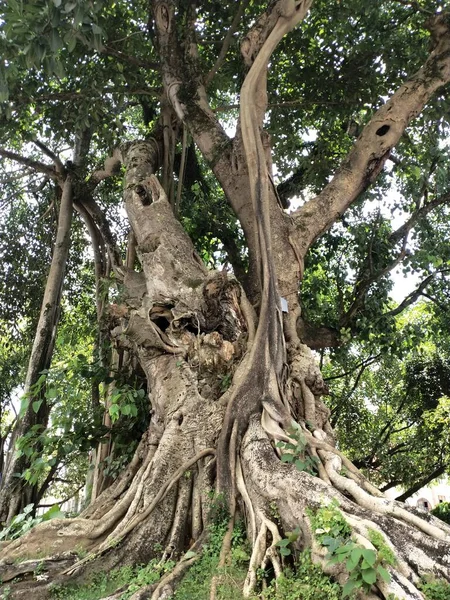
point(284, 304)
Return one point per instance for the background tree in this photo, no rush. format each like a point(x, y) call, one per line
point(222, 357)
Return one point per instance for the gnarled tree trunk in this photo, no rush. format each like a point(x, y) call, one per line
point(193, 329)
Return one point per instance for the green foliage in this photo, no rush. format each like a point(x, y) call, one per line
point(218, 512)
point(399, 423)
point(24, 521)
point(291, 537)
point(103, 584)
point(442, 511)
point(385, 554)
point(124, 402)
point(363, 564)
point(197, 582)
point(435, 589)
point(328, 522)
point(306, 581)
point(296, 451)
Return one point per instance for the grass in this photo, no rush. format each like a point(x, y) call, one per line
point(103, 584)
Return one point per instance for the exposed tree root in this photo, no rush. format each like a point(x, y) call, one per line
point(138, 518)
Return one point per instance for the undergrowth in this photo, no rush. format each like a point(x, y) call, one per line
point(435, 589)
point(307, 582)
point(103, 584)
point(196, 585)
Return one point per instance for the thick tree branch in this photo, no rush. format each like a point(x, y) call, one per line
point(317, 337)
point(413, 296)
point(34, 164)
point(422, 483)
point(421, 213)
point(56, 160)
point(363, 284)
point(381, 134)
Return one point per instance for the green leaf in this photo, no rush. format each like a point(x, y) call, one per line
point(369, 575)
point(24, 404)
point(69, 6)
point(356, 554)
point(285, 551)
point(385, 575)
point(283, 543)
point(348, 588)
point(37, 405)
point(370, 556)
point(287, 458)
point(55, 41)
point(300, 465)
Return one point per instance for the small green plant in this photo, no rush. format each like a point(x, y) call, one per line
point(102, 584)
point(435, 589)
point(291, 537)
point(363, 564)
point(306, 581)
point(296, 451)
point(328, 521)
point(23, 522)
point(197, 582)
point(385, 554)
point(6, 593)
point(225, 382)
point(218, 510)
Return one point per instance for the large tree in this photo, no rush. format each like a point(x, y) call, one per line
point(225, 353)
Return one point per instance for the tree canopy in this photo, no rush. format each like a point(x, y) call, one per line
point(301, 203)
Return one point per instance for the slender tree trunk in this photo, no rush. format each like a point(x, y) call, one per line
point(14, 494)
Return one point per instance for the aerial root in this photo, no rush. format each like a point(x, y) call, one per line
point(380, 505)
point(223, 558)
point(166, 586)
point(262, 554)
point(112, 539)
point(179, 520)
point(248, 504)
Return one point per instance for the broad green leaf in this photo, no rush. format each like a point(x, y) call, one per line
point(37, 405)
point(384, 574)
point(369, 575)
point(370, 556)
point(348, 588)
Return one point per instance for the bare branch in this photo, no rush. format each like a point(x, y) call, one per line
point(227, 41)
point(413, 296)
point(57, 161)
point(34, 164)
point(128, 59)
point(61, 502)
point(366, 362)
point(422, 212)
point(422, 482)
point(362, 286)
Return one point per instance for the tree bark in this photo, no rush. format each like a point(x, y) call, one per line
point(14, 494)
point(193, 330)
